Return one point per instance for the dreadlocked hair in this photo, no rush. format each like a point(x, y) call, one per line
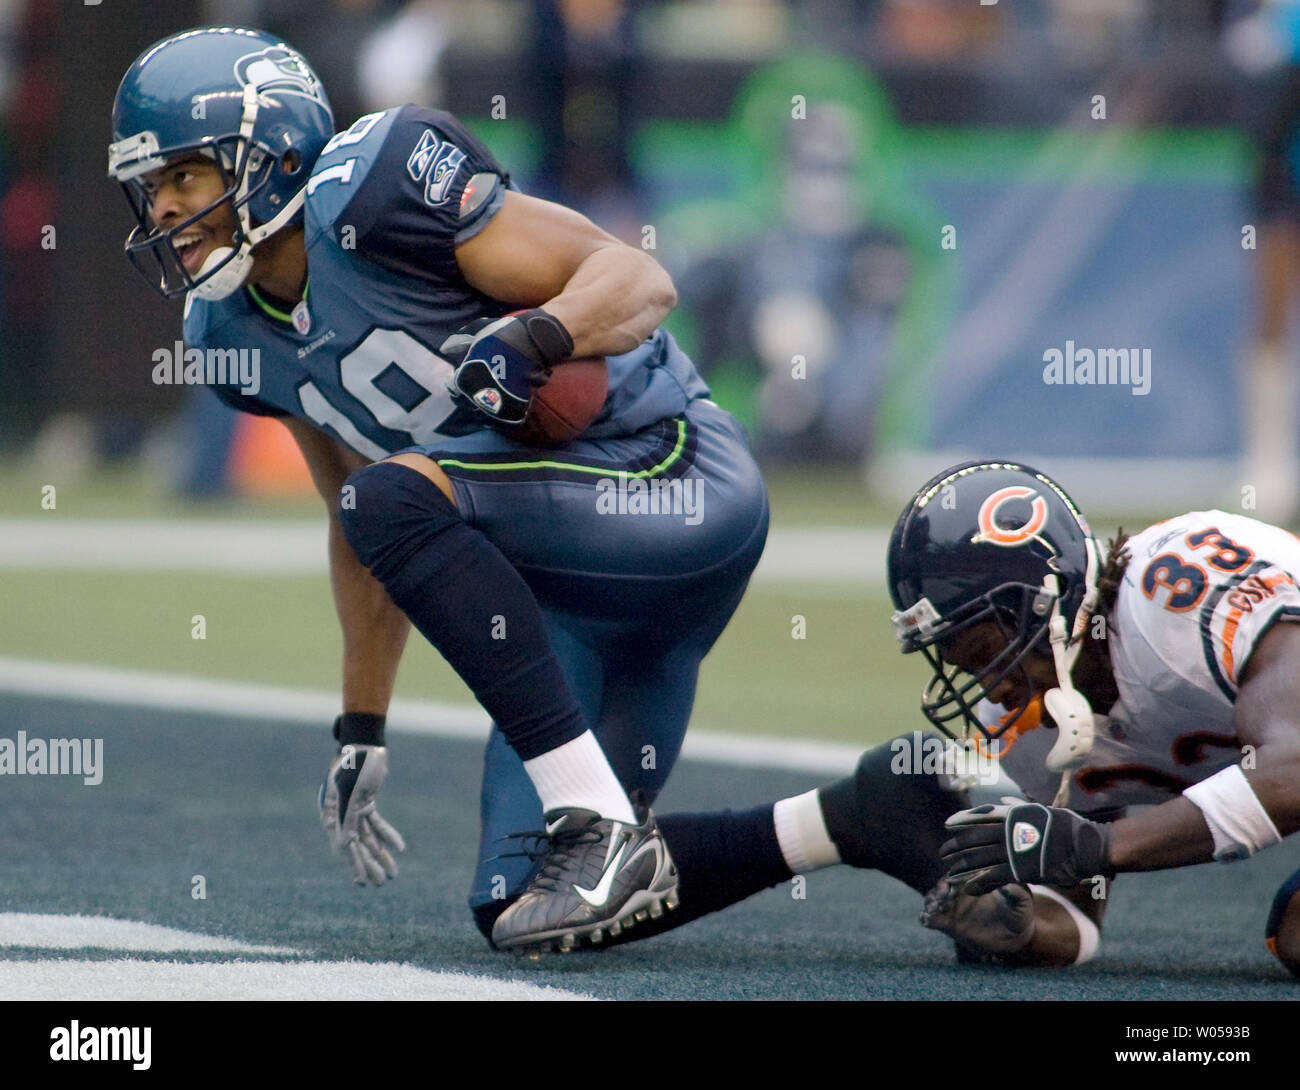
point(1112, 574)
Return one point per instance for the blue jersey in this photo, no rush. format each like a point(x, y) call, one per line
point(387, 204)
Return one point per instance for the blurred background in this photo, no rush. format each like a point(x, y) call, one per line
point(883, 218)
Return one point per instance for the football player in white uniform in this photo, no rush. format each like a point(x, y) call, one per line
point(1071, 684)
point(1160, 674)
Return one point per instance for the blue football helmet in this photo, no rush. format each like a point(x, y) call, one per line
point(244, 99)
point(1001, 542)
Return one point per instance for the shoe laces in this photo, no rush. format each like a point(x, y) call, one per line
point(555, 850)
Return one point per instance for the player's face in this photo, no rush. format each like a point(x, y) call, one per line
point(975, 649)
point(182, 189)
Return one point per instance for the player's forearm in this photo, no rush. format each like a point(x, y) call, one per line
point(1173, 834)
point(1176, 833)
point(374, 630)
point(614, 300)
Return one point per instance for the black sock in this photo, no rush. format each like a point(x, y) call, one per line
point(464, 596)
point(890, 821)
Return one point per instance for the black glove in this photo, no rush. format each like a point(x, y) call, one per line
point(991, 925)
point(502, 362)
point(992, 846)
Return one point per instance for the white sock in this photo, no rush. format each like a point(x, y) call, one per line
point(577, 774)
point(801, 832)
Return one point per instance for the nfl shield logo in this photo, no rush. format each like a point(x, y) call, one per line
point(1024, 836)
point(301, 317)
point(489, 399)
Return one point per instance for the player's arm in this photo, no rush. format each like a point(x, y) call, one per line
point(374, 630)
point(374, 633)
point(1014, 925)
point(608, 295)
point(1230, 815)
point(1267, 718)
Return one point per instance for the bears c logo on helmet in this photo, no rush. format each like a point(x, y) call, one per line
point(991, 532)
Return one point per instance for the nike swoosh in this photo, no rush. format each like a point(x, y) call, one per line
point(598, 896)
point(648, 846)
point(551, 826)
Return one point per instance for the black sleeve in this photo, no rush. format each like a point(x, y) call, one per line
point(432, 185)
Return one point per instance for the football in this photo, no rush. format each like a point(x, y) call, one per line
point(565, 407)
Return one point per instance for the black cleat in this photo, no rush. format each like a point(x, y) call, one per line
point(597, 877)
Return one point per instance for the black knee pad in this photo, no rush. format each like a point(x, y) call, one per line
point(891, 820)
point(387, 511)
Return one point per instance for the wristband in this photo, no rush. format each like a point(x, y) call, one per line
point(1237, 819)
point(1089, 933)
point(547, 332)
point(359, 729)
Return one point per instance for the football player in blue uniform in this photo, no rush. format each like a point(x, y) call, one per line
point(376, 267)
point(405, 301)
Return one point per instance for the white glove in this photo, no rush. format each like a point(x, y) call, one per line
point(348, 814)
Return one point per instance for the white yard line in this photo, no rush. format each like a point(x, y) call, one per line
point(317, 708)
point(134, 980)
point(127, 978)
point(835, 555)
point(45, 932)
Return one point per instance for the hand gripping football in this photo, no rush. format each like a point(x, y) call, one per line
point(567, 405)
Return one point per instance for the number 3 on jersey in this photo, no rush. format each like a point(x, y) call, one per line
point(378, 354)
point(1186, 583)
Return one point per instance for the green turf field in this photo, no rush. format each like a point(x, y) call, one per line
point(844, 681)
point(232, 801)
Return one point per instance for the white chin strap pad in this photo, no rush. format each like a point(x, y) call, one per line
point(228, 280)
point(1072, 714)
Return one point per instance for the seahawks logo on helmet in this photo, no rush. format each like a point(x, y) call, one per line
point(278, 69)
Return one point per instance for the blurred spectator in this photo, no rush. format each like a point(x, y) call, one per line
point(583, 63)
point(1267, 43)
point(811, 300)
point(27, 205)
point(796, 283)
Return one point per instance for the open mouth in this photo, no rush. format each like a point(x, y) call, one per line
point(189, 247)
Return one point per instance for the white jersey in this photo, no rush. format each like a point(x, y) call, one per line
point(1199, 592)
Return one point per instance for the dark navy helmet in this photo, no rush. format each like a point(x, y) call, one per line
point(990, 541)
point(242, 98)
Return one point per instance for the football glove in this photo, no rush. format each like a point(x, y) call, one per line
point(501, 362)
point(349, 817)
point(1000, 922)
point(1025, 843)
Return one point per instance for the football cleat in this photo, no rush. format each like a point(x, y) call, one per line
point(597, 877)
